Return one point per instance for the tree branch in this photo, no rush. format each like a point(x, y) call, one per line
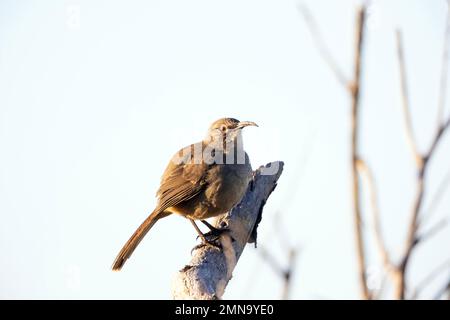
point(405, 102)
point(285, 273)
point(367, 175)
point(436, 198)
point(430, 277)
point(287, 284)
point(422, 165)
point(432, 231)
point(440, 132)
point(421, 159)
point(207, 274)
point(353, 88)
point(442, 291)
point(412, 238)
point(355, 95)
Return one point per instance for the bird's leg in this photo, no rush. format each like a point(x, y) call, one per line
point(210, 226)
point(214, 232)
point(200, 233)
point(202, 236)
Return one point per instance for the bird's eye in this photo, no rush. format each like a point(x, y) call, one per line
point(223, 128)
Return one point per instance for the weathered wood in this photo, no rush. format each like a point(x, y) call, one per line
point(207, 274)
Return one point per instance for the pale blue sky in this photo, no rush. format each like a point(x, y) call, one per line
point(92, 109)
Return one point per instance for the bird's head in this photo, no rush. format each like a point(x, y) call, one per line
point(227, 130)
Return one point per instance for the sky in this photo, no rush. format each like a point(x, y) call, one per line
point(96, 96)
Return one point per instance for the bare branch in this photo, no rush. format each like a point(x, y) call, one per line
point(432, 231)
point(354, 89)
point(436, 198)
point(406, 104)
point(430, 277)
point(440, 132)
point(288, 274)
point(367, 175)
point(320, 44)
point(412, 239)
point(271, 261)
point(355, 94)
point(422, 163)
point(284, 273)
point(442, 291)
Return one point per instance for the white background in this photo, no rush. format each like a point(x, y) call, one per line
point(95, 97)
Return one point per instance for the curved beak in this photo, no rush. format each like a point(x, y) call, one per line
point(243, 124)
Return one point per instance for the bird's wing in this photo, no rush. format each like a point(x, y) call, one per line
point(182, 180)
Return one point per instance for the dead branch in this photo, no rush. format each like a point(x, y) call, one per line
point(422, 165)
point(287, 284)
point(285, 273)
point(436, 198)
point(442, 291)
point(410, 138)
point(366, 174)
point(207, 274)
point(439, 226)
point(355, 94)
point(421, 159)
point(430, 277)
point(353, 88)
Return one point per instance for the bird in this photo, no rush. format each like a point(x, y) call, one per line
point(202, 180)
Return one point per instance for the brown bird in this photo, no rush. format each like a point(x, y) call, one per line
point(201, 181)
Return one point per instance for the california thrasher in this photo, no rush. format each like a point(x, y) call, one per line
point(201, 181)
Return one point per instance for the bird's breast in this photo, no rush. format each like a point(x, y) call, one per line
point(227, 185)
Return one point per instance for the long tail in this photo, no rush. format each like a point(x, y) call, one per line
point(135, 239)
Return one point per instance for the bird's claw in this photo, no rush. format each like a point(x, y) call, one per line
point(215, 234)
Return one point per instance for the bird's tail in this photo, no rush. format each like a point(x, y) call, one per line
point(135, 239)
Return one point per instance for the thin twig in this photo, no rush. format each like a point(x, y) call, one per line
point(405, 102)
point(288, 274)
point(320, 44)
point(441, 292)
point(432, 231)
point(366, 174)
point(285, 273)
point(354, 89)
point(422, 163)
point(436, 198)
point(271, 261)
point(430, 277)
point(411, 237)
point(355, 94)
point(439, 133)
point(400, 285)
